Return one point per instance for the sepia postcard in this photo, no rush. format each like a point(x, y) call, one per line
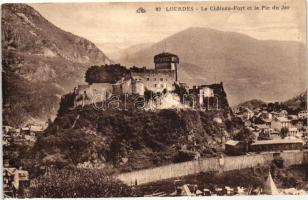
point(154, 99)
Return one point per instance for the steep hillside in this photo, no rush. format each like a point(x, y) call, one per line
point(128, 137)
point(252, 104)
point(132, 139)
point(298, 102)
point(293, 105)
point(40, 63)
point(250, 68)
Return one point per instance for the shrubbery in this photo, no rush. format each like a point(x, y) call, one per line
point(78, 183)
point(105, 73)
point(69, 147)
point(120, 134)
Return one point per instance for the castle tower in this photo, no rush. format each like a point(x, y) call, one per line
point(167, 62)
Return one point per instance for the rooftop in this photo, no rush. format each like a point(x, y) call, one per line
point(262, 126)
point(266, 119)
point(282, 119)
point(303, 111)
point(277, 141)
point(232, 142)
point(166, 57)
point(292, 129)
point(165, 54)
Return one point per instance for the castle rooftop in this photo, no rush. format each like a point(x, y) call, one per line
point(166, 57)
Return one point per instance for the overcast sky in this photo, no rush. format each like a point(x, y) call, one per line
point(120, 24)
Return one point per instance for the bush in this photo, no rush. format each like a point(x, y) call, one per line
point(120, 134)
point(184, 156)
point(78, 183)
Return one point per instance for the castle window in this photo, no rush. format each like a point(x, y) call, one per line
point(162, 85)
point(148, 79)
point(155, 85)
point(161, 79)
point(154, 79)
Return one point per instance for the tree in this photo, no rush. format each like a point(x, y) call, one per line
point(90, 74)
point(246, 136)
point(180, 91)
point(284, 132)
point(270, 107)
point(78, 183)
point(276, 106)
point(105, 73)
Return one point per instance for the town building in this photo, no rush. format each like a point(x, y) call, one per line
point(274, 114)
point(36, 129)
point(276, 145)
point(292, 131)
point(267, 115)
point(248, 114)
point(6, 129)
point(283, 113)
point(302, 114)
point(292, 117)
point(15, 181)
point(25, 130)
point(234, 147)
point(267, 121)
point(280, 122)
point(264, 132)
point(298, 123)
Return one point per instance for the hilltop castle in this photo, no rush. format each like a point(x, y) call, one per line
point(163, 78)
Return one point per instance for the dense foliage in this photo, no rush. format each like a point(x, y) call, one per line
point(105, 73)
point(78, 183)
point(66, 147)
point(133, 139)
point(245, 135)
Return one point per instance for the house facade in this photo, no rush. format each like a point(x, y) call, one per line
point(302, 114)
point(280, 122)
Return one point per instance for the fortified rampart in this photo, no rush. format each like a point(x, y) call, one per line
point(210, 164)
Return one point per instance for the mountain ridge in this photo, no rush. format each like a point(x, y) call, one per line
point(247, 66)
point(40, 62)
